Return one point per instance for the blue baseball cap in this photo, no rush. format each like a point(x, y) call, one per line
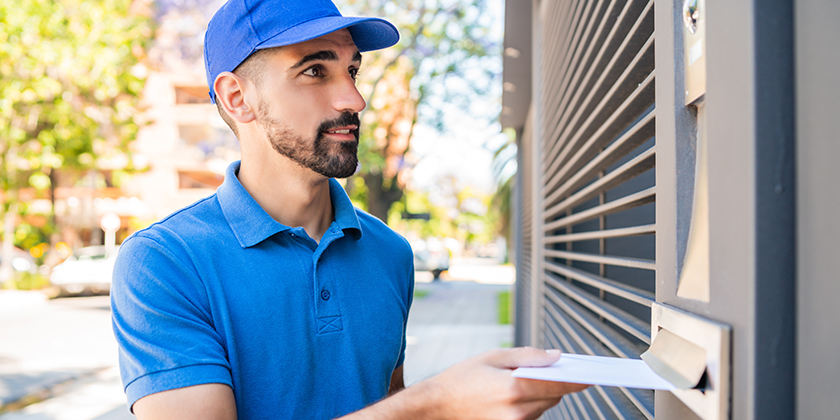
point(241, 27)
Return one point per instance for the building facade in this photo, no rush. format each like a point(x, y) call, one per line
point(186, 147)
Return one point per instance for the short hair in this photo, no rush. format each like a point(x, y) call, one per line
point(253, 69)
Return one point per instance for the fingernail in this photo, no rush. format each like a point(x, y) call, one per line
point(552, 351)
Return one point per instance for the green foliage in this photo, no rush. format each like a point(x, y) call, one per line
point(27, 236)
point(357, 190)
point(504, 169)
point(70, 86)
point(466, 215)
point(503, 300)
point(446, 56)
point(29, 281)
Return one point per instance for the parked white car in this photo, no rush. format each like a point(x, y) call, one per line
point(22, 262)
point(430, 255)
point(88, 271)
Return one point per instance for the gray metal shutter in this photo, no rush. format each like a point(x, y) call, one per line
point(594, 133)
point(523, 197)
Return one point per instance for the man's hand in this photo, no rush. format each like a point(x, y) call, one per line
point(478, 388)
point(483, 388)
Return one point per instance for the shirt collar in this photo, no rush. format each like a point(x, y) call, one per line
point(252, 225)
point(345, 214)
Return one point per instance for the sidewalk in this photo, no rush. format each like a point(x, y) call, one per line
point(453, 321)
point(47, 347)
point(16, 299)
point(92, 397)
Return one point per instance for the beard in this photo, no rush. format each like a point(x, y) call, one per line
point(332, 159)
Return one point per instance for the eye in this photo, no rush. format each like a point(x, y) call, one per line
point(314, 71)
point(354, 73)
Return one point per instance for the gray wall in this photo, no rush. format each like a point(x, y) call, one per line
point(750, 132)
point(818, 202)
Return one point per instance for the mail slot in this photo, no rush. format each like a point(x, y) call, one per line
point(692, 353)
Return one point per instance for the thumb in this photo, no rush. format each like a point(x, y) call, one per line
point(522, 357)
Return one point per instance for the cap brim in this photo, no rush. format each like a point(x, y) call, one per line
point(368, 33)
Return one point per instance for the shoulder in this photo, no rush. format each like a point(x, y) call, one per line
point(162, 263)
point(189, 224)
point(380, 234)
point(173, 241)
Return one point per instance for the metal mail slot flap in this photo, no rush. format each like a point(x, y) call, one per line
point(705, 362)
point(679, 361)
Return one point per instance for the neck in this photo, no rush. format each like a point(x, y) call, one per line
point(290, 194)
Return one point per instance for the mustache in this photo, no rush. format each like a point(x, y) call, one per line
point(346, 118)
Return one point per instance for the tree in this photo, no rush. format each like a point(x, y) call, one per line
point(446, 57)
point(70, 80)
point(504, 171)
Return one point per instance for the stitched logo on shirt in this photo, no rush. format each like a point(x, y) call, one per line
point(329, 324)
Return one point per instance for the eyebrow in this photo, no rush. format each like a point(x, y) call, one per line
point(326, 55)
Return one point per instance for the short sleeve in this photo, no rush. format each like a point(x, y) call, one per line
point(408, 302)
point(162, 321)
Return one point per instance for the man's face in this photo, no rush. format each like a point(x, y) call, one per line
point(309, 103)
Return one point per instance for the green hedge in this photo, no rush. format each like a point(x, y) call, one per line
point(504, 305)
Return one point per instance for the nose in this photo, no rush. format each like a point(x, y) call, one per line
point(348, 98)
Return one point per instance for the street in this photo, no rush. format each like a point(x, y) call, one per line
point(62, 352)
point(62, 348)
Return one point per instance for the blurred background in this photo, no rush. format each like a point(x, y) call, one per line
point(106, 127)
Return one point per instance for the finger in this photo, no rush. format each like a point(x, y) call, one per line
point(521, 357)
point(536, 389)
point(533, 409)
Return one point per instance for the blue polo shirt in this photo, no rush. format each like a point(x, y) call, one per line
point(219, 292)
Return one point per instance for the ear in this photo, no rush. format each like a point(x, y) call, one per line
point(230, 93)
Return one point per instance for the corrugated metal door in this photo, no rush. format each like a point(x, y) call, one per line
point(523, 197)
point(586, 276)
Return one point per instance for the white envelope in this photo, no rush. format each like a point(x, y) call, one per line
point(598, 370)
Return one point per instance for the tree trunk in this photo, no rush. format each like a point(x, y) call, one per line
point(380, 196)
point(10, 196)
point(7, 275)
point(53, 188)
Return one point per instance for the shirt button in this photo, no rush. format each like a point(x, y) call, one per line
point(325, 294)
point(292, 234)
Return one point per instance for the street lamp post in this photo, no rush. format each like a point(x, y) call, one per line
point(110, 222)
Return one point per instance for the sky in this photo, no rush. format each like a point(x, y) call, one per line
point(461, 154)
point(464, 149)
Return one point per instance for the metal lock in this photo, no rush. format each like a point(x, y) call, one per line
point(694, 52)
point(691, 13)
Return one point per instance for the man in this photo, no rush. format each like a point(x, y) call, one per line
point(274, 297)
